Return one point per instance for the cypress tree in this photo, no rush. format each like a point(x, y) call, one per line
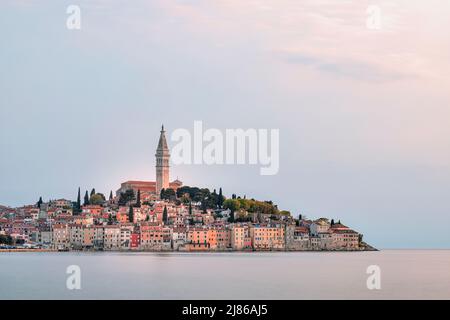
point(190, 208)
point(231, 219)
point(165, 217)
point(92, 192)
point(162, 194)
point(131, 214)
point(204, 205)
point(86, 199)
point(78, 206)
point(39, 203)
point(220, 200)
point(110, 196)
point(138, 199)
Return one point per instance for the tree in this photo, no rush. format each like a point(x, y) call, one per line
point(138, 199)
point(131, 214)
point(147, 218)
point(78, 205)
point(332, 222)
point(360, 239)
point(204, 204)
point(86, 199)
point(165, 217)
point(214, 199)
point(39, 203)
point(97, 199)
point(190, 209)
point(168, 194)
point(93, 192)
point(126, 197)
point(220, 199)
point(110, 219)
point(6, 239)
point(110, 196)
point(233, 205)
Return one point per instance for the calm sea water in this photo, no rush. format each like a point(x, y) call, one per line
point(405, 274)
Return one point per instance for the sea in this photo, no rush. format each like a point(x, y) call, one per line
point(384, 274)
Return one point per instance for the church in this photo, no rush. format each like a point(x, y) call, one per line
point(151, 190)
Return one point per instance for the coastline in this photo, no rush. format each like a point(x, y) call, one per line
point(180, 251)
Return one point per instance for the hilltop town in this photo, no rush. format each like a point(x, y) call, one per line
point(167, 216)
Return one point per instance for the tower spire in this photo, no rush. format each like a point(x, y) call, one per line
point(162, 163)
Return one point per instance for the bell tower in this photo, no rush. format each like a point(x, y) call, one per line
point(162, 163)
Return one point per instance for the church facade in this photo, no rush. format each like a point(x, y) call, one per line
point(151, 190)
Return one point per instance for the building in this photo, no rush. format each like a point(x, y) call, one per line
point(178, 238)
point(61, 237)
point(162, 163)
point(297, 237)
point(267, 237)
point(111, 237)
point(42, 236)
point(151, 236)
point(135, 240)
point(93, 210)
point(76, 236)
point(223, 235)
point(197, 239)
point(319, 226)
point(240, 237)
point(344, 237)
point(125, 238)
point(151, 189)
point(88, 237)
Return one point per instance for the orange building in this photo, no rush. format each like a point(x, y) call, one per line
point(240, 237)
point(151, 236)
point(267, 237)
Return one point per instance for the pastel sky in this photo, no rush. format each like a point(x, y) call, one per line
point(364, 114)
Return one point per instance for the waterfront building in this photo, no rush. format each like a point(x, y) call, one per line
point(240, 237)
point(76, 236)
point(178, 237)
point(151, 236)
point(267, 237)
point(88, 236)
point(111, 237)
point(61, 237)
point(125, 238)
point(135, 240)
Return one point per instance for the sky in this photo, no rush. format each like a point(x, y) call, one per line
point(363, 113)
